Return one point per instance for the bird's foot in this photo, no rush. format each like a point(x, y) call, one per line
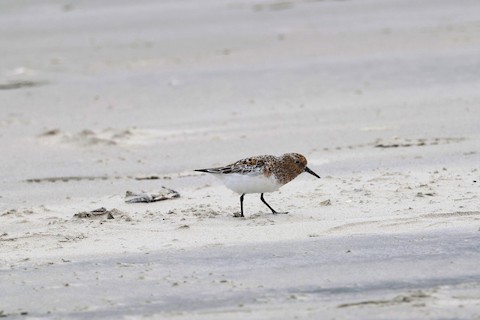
point(276, 212)
point(238, 215)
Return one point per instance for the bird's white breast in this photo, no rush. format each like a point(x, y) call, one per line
point(245, 183)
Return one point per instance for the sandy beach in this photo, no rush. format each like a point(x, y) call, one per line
point(103, 97)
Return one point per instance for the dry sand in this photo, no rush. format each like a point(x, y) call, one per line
point(382, 97)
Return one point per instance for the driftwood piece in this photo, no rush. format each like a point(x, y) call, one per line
point(101, 214)
point(164, 194)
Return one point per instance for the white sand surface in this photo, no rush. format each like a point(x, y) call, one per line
point(382, 97)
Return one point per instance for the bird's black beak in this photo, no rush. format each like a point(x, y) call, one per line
point(311, 172)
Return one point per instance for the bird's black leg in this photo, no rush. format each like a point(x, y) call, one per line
point(241, 206)
point(273, 210)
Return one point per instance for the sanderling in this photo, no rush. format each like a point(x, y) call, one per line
point(261, 174)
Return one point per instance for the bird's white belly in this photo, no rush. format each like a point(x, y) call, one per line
point(242, 183)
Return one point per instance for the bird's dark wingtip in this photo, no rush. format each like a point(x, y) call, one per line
point(201, 170)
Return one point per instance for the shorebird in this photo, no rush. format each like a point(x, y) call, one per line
point(260, 174)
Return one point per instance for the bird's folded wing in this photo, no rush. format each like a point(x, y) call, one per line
point(240, 168)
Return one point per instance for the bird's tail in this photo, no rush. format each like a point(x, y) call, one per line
point(202, 170)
